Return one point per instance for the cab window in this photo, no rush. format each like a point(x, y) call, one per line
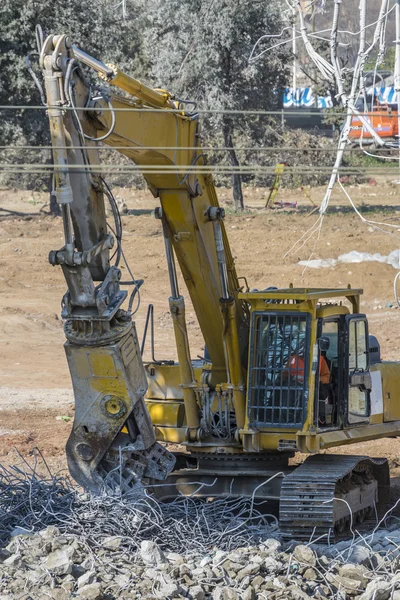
point(358, 356)
point(358, 399)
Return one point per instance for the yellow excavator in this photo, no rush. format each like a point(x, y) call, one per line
point(284, 370)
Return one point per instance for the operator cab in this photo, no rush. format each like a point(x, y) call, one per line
point(309, 360)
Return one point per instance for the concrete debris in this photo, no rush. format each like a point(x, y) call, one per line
point(377, 590)
point(249, 593)
point(197, 593)
point(63, 567)
point(360, 555)
point(59, 562)
point(305, 555)
point(356, 572)
point(13, 561)
point(168, 590)
point(226, 593)
point(270, 546)
point(310, 574)
point(151, 553)
point(86, 579)
point(92, 591)
point(112, 543)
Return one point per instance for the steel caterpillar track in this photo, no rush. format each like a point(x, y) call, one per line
point(316, 498)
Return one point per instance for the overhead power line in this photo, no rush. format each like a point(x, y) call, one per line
point(280, 112)
point(277, 149)
point(209, 169)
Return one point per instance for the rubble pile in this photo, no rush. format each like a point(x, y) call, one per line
point(58, 543)
point(51, 564)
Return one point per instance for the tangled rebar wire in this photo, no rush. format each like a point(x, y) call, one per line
point(31, 501)
point(186, 525)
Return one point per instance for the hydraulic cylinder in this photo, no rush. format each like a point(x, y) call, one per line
point(177, 307)
point(231, 335)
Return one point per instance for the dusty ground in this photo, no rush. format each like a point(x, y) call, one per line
point(35, 384)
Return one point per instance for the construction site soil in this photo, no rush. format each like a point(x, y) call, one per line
point(35, 396)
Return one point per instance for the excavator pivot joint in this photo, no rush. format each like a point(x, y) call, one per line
point(215, 213)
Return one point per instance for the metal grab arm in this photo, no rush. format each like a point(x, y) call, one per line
point(102, 349)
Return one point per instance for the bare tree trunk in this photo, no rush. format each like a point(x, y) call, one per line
point(236, 178)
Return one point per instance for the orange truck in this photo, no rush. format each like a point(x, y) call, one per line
point(382, 117)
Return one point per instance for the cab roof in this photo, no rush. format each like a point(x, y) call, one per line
point(293, 293)
point(313, 296)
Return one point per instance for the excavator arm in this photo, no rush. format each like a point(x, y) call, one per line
point(102, 346)
point(112, 431)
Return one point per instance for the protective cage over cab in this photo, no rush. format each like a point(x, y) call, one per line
point(311, 379)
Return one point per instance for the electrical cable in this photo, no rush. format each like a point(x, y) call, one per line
point(135, 282)
point(326, 69)
point(277, 149)
point(379, 59)
point(254, 172)
point(136, 290)
point(72, 66)
point(182, 101)
point(34, 76)
point(69, 93)
point(314, 34)
point(199, 170)
point(375, 224)
point(316, 241)
point(190, 169)
point(378, 156)
point(253, 58)
point(396, 296)
point(227, 111)
point(301, 242)
point(347, 100)
point(39, 38)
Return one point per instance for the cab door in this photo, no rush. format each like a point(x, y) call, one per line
point(327, 401)
point(356, 366)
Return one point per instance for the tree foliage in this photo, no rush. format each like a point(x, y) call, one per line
point(94, 26)
point(200, 49)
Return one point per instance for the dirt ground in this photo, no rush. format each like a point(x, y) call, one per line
point(35, 385)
